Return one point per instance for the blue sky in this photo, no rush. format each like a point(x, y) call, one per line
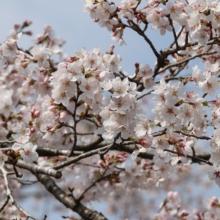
point(75, 26)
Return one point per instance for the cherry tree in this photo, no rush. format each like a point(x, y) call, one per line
point(87, 131)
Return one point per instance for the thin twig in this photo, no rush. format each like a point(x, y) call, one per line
point(9, 194)
point(76, 159)
point(5, 203)
point(142, 96)
point(137, 29)
point(93, 184)
point(107, 149)
point(17, 174)
point(180, 69)
point(178, 35)
point(186, 60)
point(189, 156)
point(174, 33)
point(75, 123)
point(192, 135)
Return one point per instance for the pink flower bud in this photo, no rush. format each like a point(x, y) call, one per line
point(62, 115)
point(52, 108)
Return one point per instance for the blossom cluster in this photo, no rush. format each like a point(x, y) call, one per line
point(69, 104)
point(200, 19)
point(172, 208)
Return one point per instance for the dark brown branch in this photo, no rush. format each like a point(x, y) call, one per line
point(126, 148)
point(174, 32)
point(48, 152)
point(178, 35)
point(137, 29)
point(83, 134)
point(195, 159)
point(186, 60)
point(87, 152)
point(75, 122)
point(5, 203)
point(169, 50)
point(92, 145)
point(192, 135)
point(68, 201)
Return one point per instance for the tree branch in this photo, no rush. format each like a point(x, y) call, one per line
point(137, 29)
point(84, 155)
point(186, 60)
point(9, 195)
point(48, 152)
point(5, 203)
point(34, 168)
point(68, 201)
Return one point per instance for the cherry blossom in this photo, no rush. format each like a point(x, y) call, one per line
point(110, 135)
point(27, 151)
point(214, 174)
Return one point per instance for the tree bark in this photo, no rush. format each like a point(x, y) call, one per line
point(68, 201)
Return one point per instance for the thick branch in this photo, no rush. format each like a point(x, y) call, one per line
point(68, 201)
point(92, 145)
point(39, 169)
point(48, 152)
